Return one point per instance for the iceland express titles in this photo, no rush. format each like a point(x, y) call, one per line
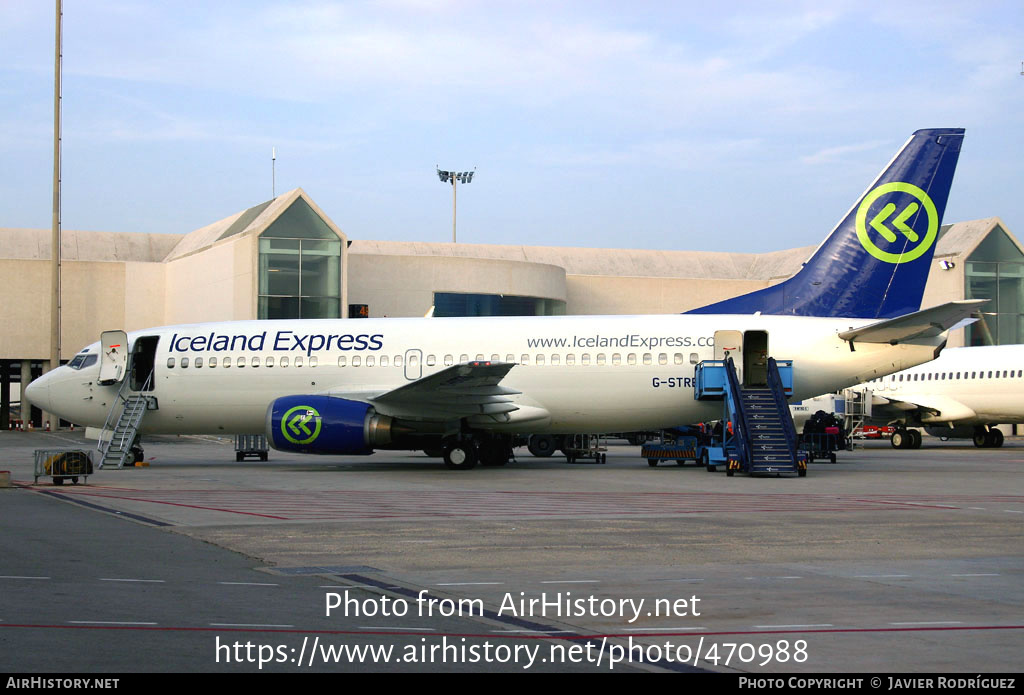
point(282, 341)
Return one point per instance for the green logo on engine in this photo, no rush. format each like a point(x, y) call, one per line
point(295, 425)
point(886, 225)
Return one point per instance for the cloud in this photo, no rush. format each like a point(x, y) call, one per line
point(832, 154)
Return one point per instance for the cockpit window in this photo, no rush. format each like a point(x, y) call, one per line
point(82, 360)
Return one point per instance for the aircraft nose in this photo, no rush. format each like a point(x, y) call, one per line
point(38, 393)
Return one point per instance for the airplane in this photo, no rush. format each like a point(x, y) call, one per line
point(962, 394)
point(467, 385)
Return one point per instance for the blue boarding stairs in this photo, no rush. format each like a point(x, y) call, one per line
point(763, 440)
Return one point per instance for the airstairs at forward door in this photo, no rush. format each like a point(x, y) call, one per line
point(118, 447)
point(763, 439)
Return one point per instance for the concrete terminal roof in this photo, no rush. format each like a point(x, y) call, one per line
point(34, 244)
point(954, 239)
point(608, 262)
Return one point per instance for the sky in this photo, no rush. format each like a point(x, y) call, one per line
point(743, 126)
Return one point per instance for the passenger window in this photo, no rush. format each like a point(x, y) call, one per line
point(585, 359)
point(284, 360)
point(600, 358)
point(398, 360)
point(369, 360)
point(663, 358)
point(298, 360)
point(540, 360)
point(616, 359)
point(255, 362)
point(647, 358)
point(677, 358)
point(570, 360)
point(356, 361)
point(449, 360)
point(463, 359)
point(495, 358)
point(383, 360)
point(556, 359)
point(524, 359)
point(631, 358)
point(199, 361)
point(480, 358)
point(227, 362)
point(510, 358)
point(240, 362)
point(342, 361)
point(170, 363)
point(431, 360)
point(213, 361)
point(184, 362)
point(313, 361)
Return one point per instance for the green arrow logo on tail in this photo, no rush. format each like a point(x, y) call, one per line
point(880, 223)
point(295, 423)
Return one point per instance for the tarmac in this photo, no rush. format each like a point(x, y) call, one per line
point(887, 561)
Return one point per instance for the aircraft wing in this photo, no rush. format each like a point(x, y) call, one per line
point(462, 390)
point(933, 408)
point(926, 323)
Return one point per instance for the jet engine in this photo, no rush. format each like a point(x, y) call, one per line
point(326, 425)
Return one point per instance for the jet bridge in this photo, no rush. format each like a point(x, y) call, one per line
point(763, 439)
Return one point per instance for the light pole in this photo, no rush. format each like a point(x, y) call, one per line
point(455, 177)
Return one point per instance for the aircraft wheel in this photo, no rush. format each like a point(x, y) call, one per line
point(898, 440)
point(832, 458)
point(997, 438)
point(541, 445)
point(460, 456)
point(915, 439)
point(58, 481)
point(981, 439)
point(494, 453)
point(652, 462)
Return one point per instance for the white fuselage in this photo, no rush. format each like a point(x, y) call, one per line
point(986, 381)
point(584, 373)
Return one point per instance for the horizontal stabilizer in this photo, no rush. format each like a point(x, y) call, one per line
point(926, 323)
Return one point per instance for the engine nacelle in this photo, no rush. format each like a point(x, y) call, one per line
point(325, 425)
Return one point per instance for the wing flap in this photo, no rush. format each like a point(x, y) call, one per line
point(462, 390)
point(933, 408)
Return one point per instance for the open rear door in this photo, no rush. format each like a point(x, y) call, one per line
point(113, 356)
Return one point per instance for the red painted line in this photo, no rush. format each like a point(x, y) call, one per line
point(178, 504)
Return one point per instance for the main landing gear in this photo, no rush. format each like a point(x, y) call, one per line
point(904, 438)
point(463, 453)
point(988, 438)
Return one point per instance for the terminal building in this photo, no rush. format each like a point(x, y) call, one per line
point(285, 258)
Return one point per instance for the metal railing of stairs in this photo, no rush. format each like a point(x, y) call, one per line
point(778, 391)
point(737, 415)
point(126, 414)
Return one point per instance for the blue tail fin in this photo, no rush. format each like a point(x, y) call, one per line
point(876, 261)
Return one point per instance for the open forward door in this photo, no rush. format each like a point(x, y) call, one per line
point(113, 356)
